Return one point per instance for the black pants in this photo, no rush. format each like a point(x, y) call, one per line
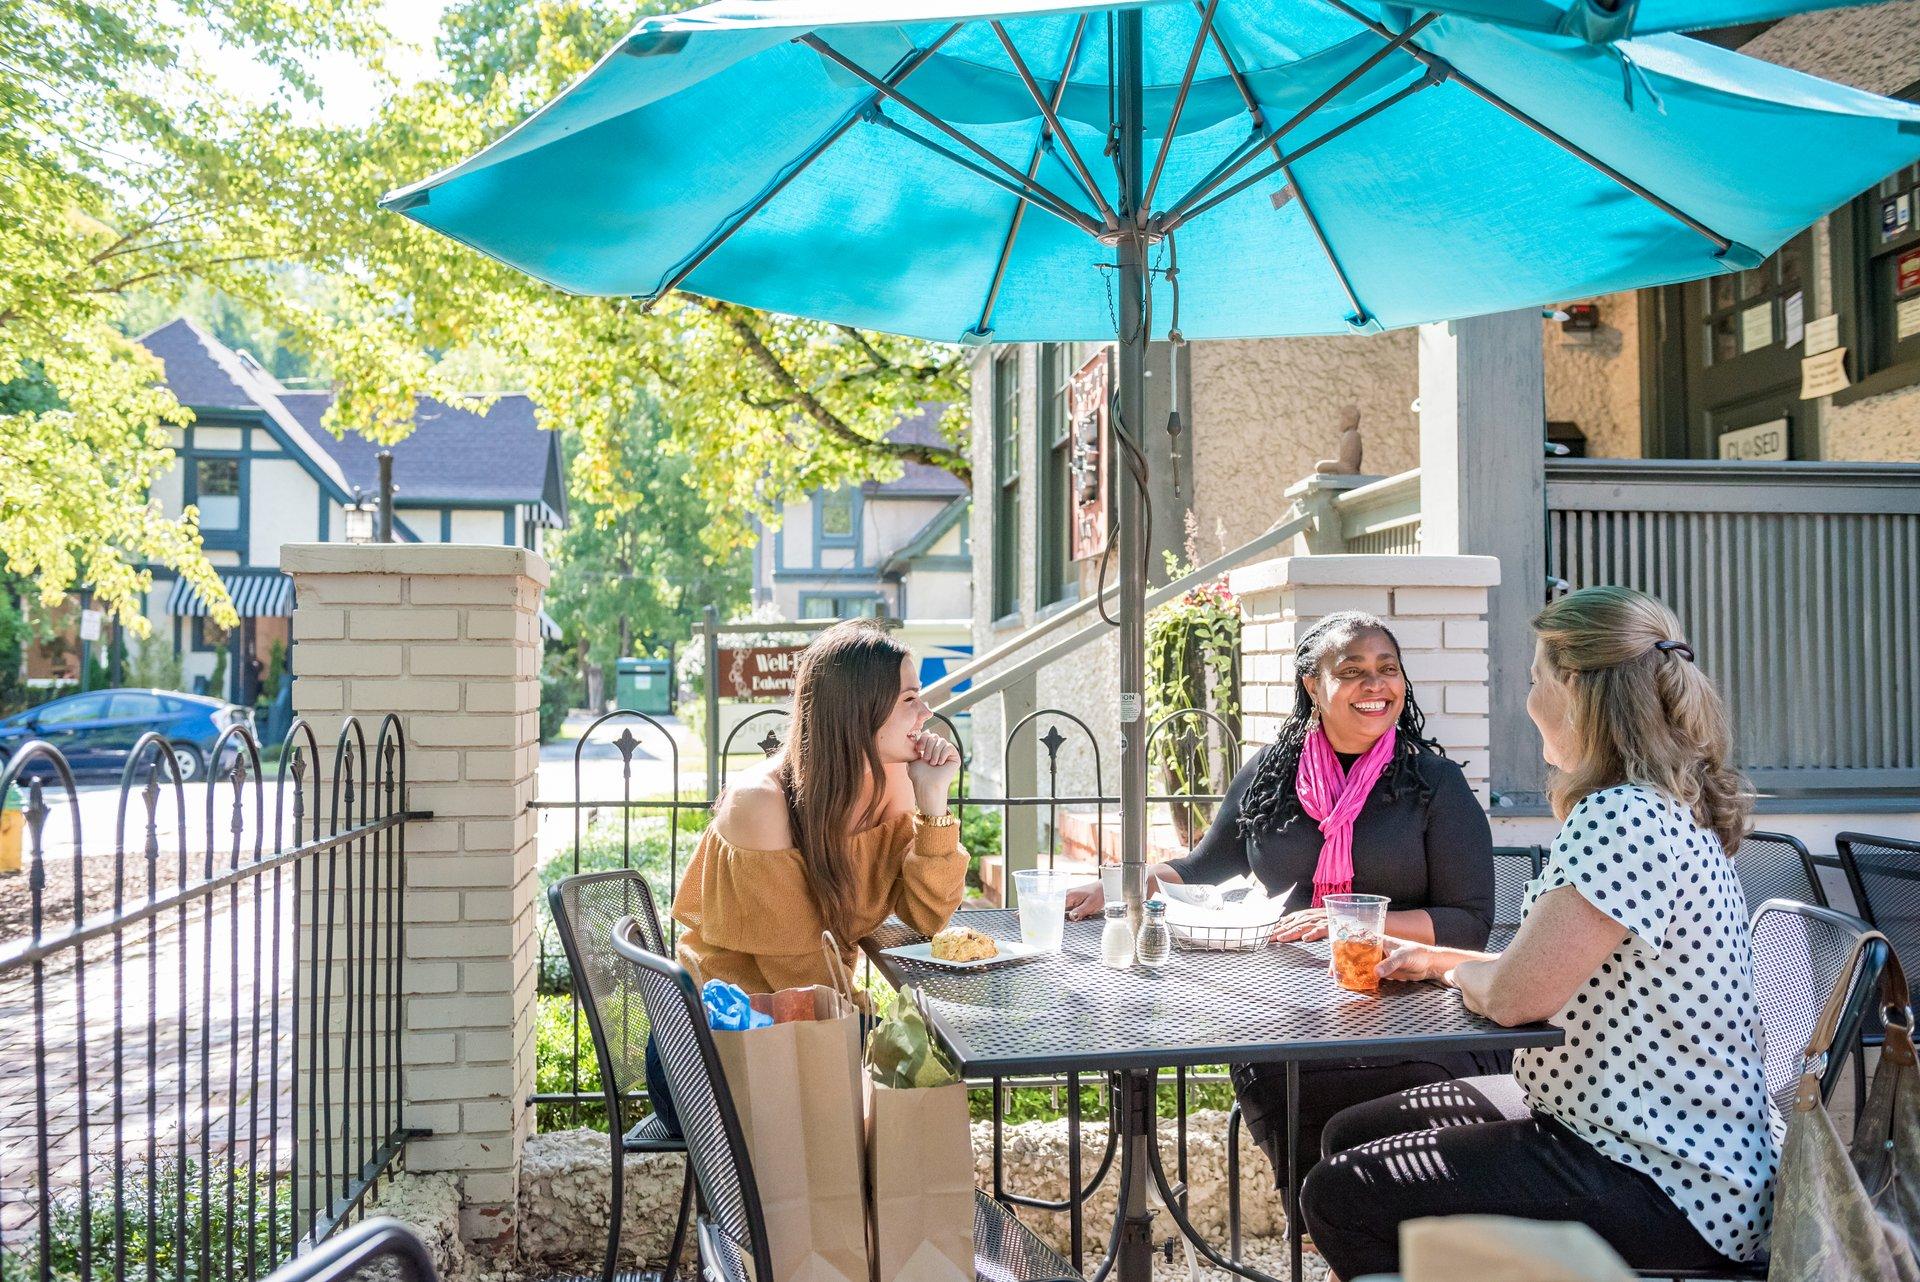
point(1471, 1147)
point(1327, 1087)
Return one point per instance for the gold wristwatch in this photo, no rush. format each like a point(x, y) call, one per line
point(947, 820)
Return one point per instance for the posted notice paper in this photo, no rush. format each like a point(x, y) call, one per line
point(1823, 374)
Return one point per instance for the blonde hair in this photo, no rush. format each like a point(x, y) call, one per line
point(1642, 710)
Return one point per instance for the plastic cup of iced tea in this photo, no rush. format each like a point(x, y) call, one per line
point(1356, 940)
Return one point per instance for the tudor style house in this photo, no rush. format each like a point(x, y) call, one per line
point(263, 472)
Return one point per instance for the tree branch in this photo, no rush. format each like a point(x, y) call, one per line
point(944, 457)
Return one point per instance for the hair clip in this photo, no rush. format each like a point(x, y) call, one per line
point(1686, 651)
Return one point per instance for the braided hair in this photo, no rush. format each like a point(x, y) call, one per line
point(1271, 802)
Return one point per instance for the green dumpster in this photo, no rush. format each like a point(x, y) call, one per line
point(644, 685)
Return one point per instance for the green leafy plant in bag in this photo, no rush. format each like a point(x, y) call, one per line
point(901, 1052)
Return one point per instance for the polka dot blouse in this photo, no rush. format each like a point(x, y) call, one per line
point(1662, 1066)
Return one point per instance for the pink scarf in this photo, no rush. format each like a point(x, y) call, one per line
point(1333, 799)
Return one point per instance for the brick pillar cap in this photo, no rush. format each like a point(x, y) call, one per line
point(414, 558)
point(1371, 571)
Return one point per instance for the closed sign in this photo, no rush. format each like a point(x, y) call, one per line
point(1752, 444)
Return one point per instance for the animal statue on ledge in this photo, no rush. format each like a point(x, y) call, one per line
point(1346, 459)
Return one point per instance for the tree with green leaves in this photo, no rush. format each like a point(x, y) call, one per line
point(629, 583)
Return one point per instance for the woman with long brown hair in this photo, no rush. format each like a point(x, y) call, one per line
point(1650, 1122)
point(847, 825)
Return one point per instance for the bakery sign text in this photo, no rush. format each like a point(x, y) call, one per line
point(759, 672)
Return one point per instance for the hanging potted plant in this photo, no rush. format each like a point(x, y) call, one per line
point(1193, 662)
point(13, 827)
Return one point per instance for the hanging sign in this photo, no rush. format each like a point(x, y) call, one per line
point(1823, 334)
point(1824, 374)
point(759, 672)
point(1087, 404)
point(1907, 272)
point(1751, 444)
point(90, 625)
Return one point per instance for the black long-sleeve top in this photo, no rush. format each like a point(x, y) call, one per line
point(1425, 848)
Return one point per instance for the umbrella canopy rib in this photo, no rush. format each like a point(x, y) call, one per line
point(1091, 187)
point(1176, 216)
point(912, 63)
point(1359, 314)
point(1253, 146)
point(1179, 102)
point(985, 325)
point(1032, 193)
point(1023, 185)
point(1492, 99)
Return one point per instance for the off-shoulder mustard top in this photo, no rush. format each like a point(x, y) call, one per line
point(749, 917)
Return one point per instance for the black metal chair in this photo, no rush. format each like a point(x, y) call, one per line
point(1513, 868)
point(1798, 954)
point(586, 908)
point(732, 1230)
point(378, 1250)
point(1774, 865)
point(1884, 875)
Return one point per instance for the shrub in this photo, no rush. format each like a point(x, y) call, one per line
point(211, 1213)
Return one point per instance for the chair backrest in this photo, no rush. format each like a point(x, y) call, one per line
point(733, 1228)
point(586, 907)
point(1513, 868)
point(1773, 865)
point(1884, 875)
point(1799, 951)
point(379, 1250)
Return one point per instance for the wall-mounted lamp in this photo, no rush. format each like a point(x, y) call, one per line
point(357, 525)
point(1581, 318)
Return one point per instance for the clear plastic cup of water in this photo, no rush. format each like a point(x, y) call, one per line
point(1042, 896)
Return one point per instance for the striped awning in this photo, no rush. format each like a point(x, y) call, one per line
point(256, 594)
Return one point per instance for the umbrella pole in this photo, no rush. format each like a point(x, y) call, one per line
point(1129, 501)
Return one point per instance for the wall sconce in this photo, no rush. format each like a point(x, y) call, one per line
point(1582, 318)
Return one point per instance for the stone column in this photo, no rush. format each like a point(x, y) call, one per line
point(447, 637)
point(1436, 606)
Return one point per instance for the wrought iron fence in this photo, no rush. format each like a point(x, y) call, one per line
point(650, 833)
point(203, 1076)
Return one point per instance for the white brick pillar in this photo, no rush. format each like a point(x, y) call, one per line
point(447, 637)
point(1436, 606)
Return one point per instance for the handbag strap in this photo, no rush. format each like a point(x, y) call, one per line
point(1894, 997)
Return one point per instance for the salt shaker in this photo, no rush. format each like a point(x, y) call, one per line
point(1116, 938)
point(1154, 948)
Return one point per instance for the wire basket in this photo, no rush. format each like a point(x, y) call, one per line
point(1221, 939)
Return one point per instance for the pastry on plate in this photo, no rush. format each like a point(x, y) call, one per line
point(963, 944)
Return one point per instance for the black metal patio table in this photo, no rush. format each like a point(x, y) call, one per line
point(1070, 1013)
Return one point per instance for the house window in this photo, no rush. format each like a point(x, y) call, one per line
point(216, 484)
point(1055, 565)
point(1006, 479)
point(840, 605)
point(1876, 279)
point(835, 515)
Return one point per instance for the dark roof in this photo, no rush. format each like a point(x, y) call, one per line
point(200, 369)
point(453, 454)
point(920, 478)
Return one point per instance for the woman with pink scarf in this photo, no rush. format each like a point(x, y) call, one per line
point(1352, 797)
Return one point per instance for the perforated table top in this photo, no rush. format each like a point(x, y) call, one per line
point(1274, 1004)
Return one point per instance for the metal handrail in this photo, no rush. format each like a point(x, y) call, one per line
point(940, 694)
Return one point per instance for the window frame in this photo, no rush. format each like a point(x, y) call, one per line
point(821, 498)
point(197, 633)
point(1054, 579)
point(1005, 422)
point(1853, 237)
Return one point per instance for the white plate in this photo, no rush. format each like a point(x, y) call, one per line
point(1010, 952)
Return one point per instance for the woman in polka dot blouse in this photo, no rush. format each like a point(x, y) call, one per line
point(1650, 1123)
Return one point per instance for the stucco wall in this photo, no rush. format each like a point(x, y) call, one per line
point(1264, 411)
point(1593, 379)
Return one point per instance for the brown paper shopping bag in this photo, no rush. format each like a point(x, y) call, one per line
point(920, 1182)
point(797, 1088)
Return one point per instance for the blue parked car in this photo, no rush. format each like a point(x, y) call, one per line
point(96, 731)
